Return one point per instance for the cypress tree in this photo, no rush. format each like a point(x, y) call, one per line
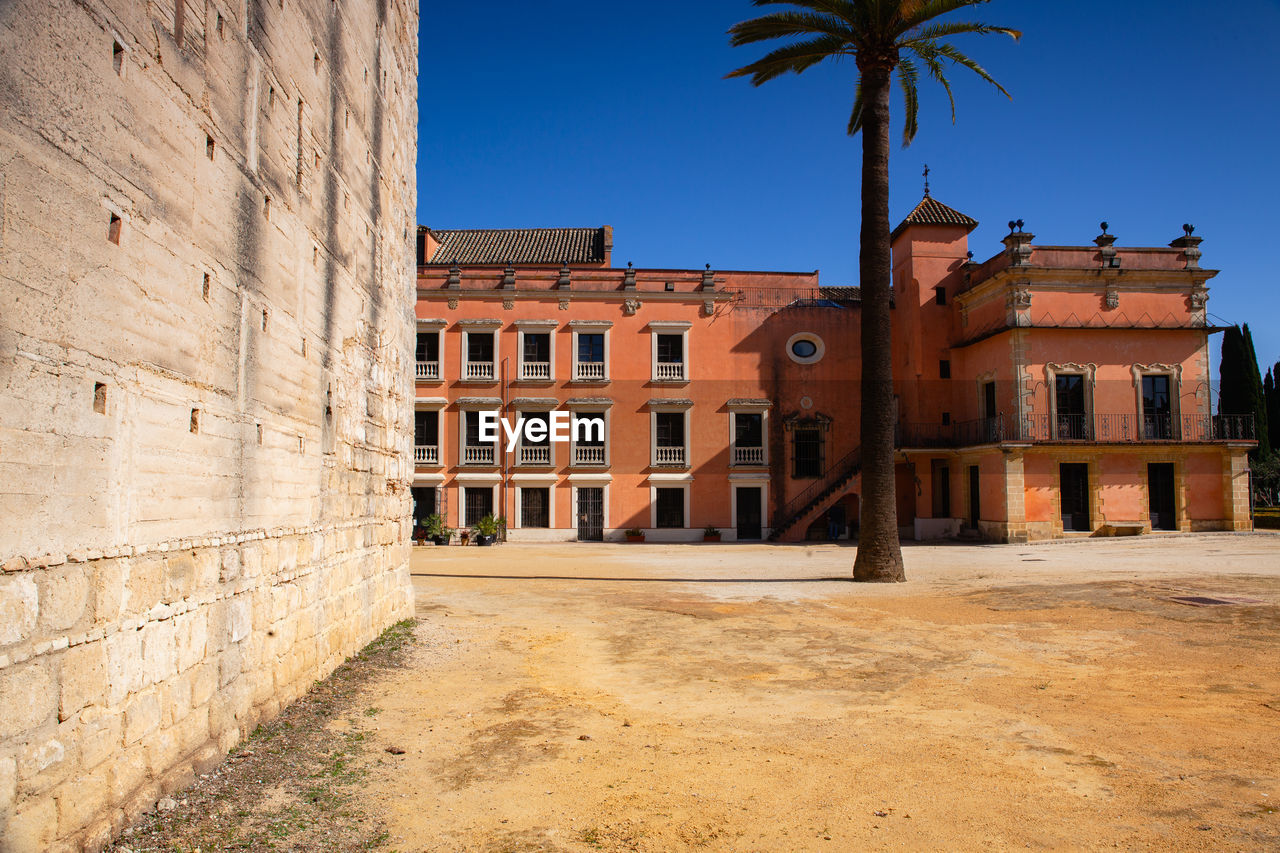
point(1272, 396)
point(1231, 371)
point(1255, 400)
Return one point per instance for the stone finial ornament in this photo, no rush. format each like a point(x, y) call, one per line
point(1018, 243)
point(1190, 246)
point(629, 278)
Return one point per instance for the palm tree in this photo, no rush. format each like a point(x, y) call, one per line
point(884, 38)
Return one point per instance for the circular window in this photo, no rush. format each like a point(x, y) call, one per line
point(805, 348)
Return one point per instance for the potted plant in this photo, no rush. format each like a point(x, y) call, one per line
point(710, 534)
point(486, 529)
point(437, 532)
point(635, 534)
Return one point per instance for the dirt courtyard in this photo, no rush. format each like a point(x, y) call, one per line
point(751, 698)
point(748, 698)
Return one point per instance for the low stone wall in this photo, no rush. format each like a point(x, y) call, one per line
point(134, 671)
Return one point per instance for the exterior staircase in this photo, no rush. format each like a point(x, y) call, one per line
point(806, 505)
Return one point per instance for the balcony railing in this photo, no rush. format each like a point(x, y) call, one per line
point(480, 454)
point(482, 370)
point(535, 370)
point(426, 454)
point(588, 370)
point(669, 455)
point(748, 455)
point(428, 370)
point(1072, 429)
point(668, 371)
point(588, 455)
point(535, 454)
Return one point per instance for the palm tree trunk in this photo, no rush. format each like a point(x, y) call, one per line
point(879, 555)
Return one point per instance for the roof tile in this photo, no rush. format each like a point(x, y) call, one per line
point(519, 246)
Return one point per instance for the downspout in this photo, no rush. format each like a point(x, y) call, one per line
point(502, 507)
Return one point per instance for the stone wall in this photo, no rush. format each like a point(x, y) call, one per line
point(206, 291)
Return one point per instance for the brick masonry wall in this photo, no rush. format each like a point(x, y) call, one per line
point(206, 291)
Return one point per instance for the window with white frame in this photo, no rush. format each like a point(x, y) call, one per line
point(426, 437)
point(535, 506)
point(589, 430)
point(535, 447)
point(590, 351)
point(748, 438)
point(427, 364)
point(472, 449)
point(537, 350)
point(480, 351)
point(670, 351)
point(669, 506)
point(669, 424)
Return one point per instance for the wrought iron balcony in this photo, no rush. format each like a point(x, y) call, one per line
point(427, 370)
point(534, 370)
point(535, 454)
point(426, 454)
point(1081, 429)
point(479, 454)
point(668, 455)
point(748, 455)
point(479, 370)
point(588, 455)
point(588, 370)
point(669, 371)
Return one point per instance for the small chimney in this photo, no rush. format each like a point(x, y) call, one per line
point(563, 282)
point(509, 277)
point(455, 277)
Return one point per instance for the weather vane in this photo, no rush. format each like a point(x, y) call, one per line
point(926, 180)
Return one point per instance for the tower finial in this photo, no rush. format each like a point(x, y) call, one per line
point(926, 180)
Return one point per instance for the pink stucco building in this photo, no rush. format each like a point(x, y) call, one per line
point(1048, 391)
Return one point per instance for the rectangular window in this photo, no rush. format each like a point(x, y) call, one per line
point(1157, 408)
point(535, 507)
point(471, 428)
point(748, 429)
point(537, 347)
point(940, 295)
point(944, 369)
point(428, 346)
point(670, 429)
point(807, 446)
point(588, 443)
point(426, 428)
point(941, 484)
point(535, 356)
point(591, 348)
point(113, 229)
point(1069, 413)
point(670, 507)
point(424, 502)
point(477, 503)
point(670, 349)
point(480, 347)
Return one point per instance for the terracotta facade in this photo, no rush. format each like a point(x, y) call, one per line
point(1049, 391)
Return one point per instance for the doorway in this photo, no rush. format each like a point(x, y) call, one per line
point(749, 515)
point(975, 498)
point(1075, 496)
point(1161, 496)
point(590, 514)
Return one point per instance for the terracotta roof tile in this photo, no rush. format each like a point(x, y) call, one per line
point(930, 211)
point(519, 246)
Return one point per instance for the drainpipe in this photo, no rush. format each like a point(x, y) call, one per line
point(502, 509)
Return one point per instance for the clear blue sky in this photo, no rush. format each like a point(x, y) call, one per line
point(1144, 114)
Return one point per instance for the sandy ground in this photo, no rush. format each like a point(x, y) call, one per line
point(749, 698)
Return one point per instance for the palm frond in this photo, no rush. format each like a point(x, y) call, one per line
point(855, 117)
point(957, 28)
point(928, 10)
point(953, 53)
point(938, 73)
point(909, 79)
point(793, 57)
point(785, 25)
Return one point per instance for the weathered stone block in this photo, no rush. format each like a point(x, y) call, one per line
point(8, 782)
point(82, 799)
point(28, 695)
point(84, 678)
point(128, 773)
point(180, 576)
point(144, 584)
point(141, 717)
point(159, 651)
point(125, 670)
point(19, 605)
point(64, 596)
point(31, 829)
